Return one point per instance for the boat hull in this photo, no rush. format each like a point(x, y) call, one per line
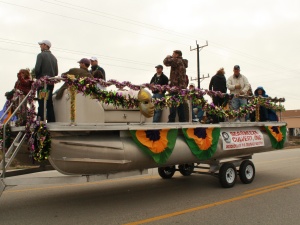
point(106, 150)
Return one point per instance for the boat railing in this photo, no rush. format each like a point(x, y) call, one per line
point(16, 144)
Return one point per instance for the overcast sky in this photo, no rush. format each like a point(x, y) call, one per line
point(130, 37)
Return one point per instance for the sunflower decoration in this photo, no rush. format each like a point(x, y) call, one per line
point(277, 135)
point(158, 144)
point(202, 141)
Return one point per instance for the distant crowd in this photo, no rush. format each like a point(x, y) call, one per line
point(46, 65)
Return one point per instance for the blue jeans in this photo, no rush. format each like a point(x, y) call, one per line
point(236, 103)
point(157, 112)
point(199, 114)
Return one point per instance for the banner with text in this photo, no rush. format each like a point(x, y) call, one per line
point(237, 139)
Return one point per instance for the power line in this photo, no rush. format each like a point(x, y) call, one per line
point(73, 59)
point(92, 22)
point(118, 18)
point(10, 41)
point(27, 44)
point(150, 26)
point(161, 29)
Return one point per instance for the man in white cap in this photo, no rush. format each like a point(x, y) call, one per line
point(95, 67)
point(46, 65)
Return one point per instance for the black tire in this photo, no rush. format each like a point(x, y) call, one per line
point(247, 172)
point(166, 172)
point(186, 169)
point(227, 175)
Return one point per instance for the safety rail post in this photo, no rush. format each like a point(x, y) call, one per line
point(280, 112)
point(190, 110)
point(72, 105)
point(3, 151)
point(257, 115)
point(4, 132)
point(45, 102)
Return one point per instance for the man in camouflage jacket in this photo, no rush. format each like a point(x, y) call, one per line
point(177, 78)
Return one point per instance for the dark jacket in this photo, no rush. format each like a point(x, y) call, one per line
point(95, 68)
point(265, 113)
point(161, 80)
point(218, 83)
point(263, 92)
point(78, 73)
point(46, 65)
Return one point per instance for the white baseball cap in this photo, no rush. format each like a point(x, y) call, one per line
point(94, 58)
point(46, 42)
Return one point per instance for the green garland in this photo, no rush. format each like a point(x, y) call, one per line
point(39, 136)
point(8, 138)
point(42, 142)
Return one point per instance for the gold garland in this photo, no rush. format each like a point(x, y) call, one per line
point(257, 114)
point(72, 91)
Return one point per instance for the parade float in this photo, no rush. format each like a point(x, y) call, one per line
point(100, 134)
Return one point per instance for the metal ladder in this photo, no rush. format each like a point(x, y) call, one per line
point(8, 157)
point(13, 150)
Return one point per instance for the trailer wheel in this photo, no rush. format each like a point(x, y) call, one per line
point(227, 175)
point(247, 172)
point(186, 169)
point(166, 172)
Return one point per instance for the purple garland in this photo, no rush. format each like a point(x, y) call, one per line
point(88, 86)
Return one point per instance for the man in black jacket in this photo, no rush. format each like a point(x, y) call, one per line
point(218, 83)
point(158, 79)
point(46, 65)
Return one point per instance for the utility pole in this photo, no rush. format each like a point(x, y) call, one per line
point(201, 78)
point(199, 48)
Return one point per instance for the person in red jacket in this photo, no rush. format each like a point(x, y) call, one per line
point(24, 81)
point(23, 84)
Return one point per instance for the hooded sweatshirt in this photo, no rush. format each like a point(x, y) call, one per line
point(263, 92)
point(218, 83)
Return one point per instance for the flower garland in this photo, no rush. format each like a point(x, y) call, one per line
point(40, 142)
point(39, 138)
point(88, 87)
point(8, 139)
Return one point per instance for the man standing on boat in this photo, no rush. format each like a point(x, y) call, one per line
point(178, 79)
point(46, 65)
point(238, 85)
point(218, 83)
point(158, 79)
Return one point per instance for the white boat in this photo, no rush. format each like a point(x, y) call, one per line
point(107, 140)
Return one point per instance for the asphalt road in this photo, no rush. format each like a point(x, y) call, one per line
point(272, 198)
